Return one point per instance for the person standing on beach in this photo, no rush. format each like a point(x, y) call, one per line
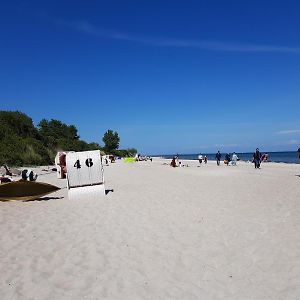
point(234, 159)
point(200, 158)
point(227, 159)
point(218, 157)
point(257, 158)
point(299, 152)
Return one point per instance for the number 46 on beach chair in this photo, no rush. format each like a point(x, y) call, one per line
point(85, 175)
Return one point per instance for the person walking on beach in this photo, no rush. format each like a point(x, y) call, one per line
point(257, 158)
point(227, 159)
point(234, 159)
point(218, 157)
point(200, 158)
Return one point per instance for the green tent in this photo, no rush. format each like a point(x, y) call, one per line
point(129, 160)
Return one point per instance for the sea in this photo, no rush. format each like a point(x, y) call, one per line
point(278, 157)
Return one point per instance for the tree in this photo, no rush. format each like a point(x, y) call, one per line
point(111, 141)
point(54, 130)
point(21, 143)
point(16, 122)
point(125, 152)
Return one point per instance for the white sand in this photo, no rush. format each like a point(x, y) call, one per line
point(186, 233)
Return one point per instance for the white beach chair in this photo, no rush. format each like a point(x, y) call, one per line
point(85, 176)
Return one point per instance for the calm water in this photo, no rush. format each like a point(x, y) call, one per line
point(285, 157)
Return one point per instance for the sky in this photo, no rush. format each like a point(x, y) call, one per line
point(168, 76)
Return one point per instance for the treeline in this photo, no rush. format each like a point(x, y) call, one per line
point(22, 143)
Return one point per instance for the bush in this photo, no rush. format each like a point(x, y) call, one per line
point(24, 144)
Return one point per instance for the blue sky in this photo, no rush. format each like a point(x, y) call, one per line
point(168, 76)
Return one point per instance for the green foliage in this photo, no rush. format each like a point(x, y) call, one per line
point(111, 141)
point(132, 151)
point(24, 144)
point(11, 150)
point(16, 128)
point(21, 143)
point(17, 123)
point(34, 152)
point(57, 134)
point(125, 152)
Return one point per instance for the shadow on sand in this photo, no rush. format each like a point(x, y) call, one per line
point(107, 191)
point(58, 198)
point(45, 199)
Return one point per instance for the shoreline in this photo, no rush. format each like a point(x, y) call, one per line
point(276, 157)
point(221, 162)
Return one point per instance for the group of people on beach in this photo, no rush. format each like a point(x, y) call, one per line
point(201, 158)
point(176, 163)
point(228, 158)
point(7, 173)
point(232, 159)
point(256, 159)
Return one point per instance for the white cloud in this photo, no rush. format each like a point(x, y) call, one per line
point(226, 145)
point(293, 142)
point(292, 131)
point(88, 28)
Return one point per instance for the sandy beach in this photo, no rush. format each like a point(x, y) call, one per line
point(197, 232)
